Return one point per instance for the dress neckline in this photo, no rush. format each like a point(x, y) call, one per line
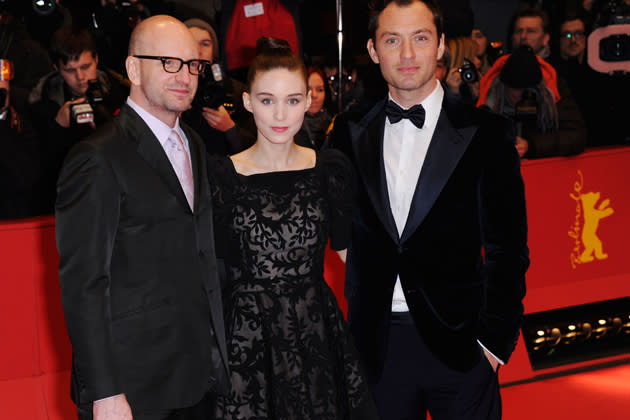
point(288, 171)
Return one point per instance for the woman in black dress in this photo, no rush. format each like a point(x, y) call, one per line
point(276, 205)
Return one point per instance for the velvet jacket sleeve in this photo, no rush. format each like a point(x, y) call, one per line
point(503, 223)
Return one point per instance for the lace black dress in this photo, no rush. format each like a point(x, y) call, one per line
point(290, 354)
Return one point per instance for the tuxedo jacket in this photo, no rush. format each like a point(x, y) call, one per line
point(138, 273)
point(463, 252)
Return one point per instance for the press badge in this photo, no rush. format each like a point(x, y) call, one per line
point(254, 9)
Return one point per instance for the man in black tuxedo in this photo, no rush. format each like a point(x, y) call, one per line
point(435, 269)
point(138, 273)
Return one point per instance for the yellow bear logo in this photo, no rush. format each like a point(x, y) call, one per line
point(592, 216)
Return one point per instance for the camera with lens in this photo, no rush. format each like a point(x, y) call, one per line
point(494, 51)
point(609, 43)
point(212, 92)
point(44, 7)
point(468, 72)
point(526, 114)
point(6, 73)
point(84, 112)
point(40, 7)
point(334, 80)
point(3, 97)
point(21, 7)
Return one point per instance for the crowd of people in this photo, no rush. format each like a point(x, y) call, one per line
point(195, 192)
point(560, 113)
point(558, 104)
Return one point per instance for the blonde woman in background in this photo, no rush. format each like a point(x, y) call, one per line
point(463, 50)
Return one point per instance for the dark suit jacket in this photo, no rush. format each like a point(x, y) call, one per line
point(469, 195)
point(138, 274)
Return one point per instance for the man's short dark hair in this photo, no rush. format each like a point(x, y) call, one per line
point(571, 16)
point(378, 7)
point(68, 45)
point(532, 12)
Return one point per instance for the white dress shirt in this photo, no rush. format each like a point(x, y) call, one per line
point(404, 150)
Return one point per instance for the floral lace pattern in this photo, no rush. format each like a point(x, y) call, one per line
point(289, 350)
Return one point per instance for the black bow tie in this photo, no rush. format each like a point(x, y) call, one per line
point(415, 114)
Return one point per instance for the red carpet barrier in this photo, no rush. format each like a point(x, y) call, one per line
point(36, 351)
point(578, 212)
point(579, 222)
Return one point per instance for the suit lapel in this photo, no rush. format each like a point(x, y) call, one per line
point(153, 153)
point(367, 143)
point(448, 144)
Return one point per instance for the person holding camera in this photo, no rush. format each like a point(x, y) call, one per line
point(523, 87)
point(603, 113)
point(463, 75)
point(218, 101)
point(29, 58)
point(70, 102)
point(19, 160)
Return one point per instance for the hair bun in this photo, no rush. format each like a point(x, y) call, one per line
point(274, 53)
point(267, 45)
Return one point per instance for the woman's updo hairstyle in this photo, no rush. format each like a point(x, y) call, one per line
point(271, 54)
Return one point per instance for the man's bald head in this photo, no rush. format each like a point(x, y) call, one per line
point(152, 30)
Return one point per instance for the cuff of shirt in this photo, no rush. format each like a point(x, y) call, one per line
point(107, 398)
point(501, 362)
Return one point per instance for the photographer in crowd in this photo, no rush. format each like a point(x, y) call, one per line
point(586, 84)
point(217, 112)
point(19, 160)
point(523, 87)
point(70, 102)
point(602, 95)
point(463, 75)
point(28, 57)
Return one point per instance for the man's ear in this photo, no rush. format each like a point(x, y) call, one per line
point(96, 59)
point(247, 101)
point(372, 51)
point(441, 47)
point(133, 70)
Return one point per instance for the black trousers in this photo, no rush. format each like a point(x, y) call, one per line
point(203, 410)
point(414, 381)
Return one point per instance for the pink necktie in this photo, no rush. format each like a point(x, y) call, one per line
point(179, 159)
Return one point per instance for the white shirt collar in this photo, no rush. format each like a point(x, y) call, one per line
point(160, 129)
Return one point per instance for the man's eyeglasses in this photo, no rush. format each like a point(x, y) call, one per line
point(174, 64)
point(577, 35)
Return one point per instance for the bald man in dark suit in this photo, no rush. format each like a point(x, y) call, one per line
point(138, 272)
